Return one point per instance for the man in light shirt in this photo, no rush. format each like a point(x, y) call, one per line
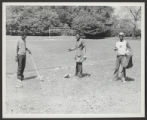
point(80, 49)
point(122, 47)
point(21, 56)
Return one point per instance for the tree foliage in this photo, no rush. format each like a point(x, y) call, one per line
point(129, 21)
point(90, 21)
point(136, 16)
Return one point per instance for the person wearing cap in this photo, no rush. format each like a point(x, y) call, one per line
point(121, 47)
point(80, 49)
point(21, 56)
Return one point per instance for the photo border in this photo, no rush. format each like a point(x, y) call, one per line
point(77, 1)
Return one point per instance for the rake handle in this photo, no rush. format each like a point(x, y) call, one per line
point(35, 66)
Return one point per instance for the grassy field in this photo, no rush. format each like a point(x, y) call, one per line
point(94, 94)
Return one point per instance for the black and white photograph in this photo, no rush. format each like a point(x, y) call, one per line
point(73, 59)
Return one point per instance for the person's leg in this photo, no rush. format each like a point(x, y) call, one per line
point(116, 71)
point(19, 69)
point(123, 74)
point(23, 65)
point(76, 70)
point(123, 71)
point(80, 69)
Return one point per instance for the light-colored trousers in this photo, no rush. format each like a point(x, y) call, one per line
point(119, 62)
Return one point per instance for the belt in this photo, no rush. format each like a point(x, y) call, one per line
point(121, 55)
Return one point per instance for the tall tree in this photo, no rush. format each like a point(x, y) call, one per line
point(135, 12)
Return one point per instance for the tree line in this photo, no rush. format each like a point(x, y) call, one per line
point(89, 21)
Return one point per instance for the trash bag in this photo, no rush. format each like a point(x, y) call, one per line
point(130, 62)
point(127, 61)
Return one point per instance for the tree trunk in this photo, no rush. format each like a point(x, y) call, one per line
point(134, 30)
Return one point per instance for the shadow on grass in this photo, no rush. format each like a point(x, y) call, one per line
point(86, 75)
point(129, 79)
point(31, 77)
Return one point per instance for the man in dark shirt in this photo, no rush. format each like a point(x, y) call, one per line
point(21, 56)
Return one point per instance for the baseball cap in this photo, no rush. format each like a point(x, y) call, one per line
point(121, 34)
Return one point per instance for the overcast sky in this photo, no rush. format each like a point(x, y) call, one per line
point(121, 12)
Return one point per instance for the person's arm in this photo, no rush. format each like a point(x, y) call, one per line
point(129, 50)
point(115, 48)
point(128, 46)
point(84, 47)
point(28, 51)
point(72, 49)
point(85, 50)
point(85, 57)
point(17, 49)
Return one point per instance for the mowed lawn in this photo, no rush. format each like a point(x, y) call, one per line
point(95, 94)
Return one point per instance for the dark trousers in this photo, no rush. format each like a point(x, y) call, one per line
point(21, 66)
point(79, 69)
point(119, 61)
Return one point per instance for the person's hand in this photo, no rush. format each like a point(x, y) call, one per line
point(69, 50)
point(29, 52)
point(84, 58)
point(128, 52)
point(115, 49)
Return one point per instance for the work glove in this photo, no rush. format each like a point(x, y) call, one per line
point(29, 52)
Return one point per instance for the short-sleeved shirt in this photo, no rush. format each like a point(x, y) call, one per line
point(121, 47)
point(21, 46)
point(79, 50)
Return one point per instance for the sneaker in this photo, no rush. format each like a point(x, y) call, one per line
point(115, 79)
point(80, 76)
point(123, 80)
point(19, 81)
point(19, 77)
point(19, 85)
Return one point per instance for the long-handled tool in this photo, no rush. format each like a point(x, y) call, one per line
point(36, 69)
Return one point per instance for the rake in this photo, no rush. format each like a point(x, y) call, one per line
point(36, 69)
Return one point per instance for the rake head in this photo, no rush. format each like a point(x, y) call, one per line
point(67, 76)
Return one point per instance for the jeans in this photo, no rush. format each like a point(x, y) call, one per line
point(119, 61)
point(79, 69)
point(21, 66)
